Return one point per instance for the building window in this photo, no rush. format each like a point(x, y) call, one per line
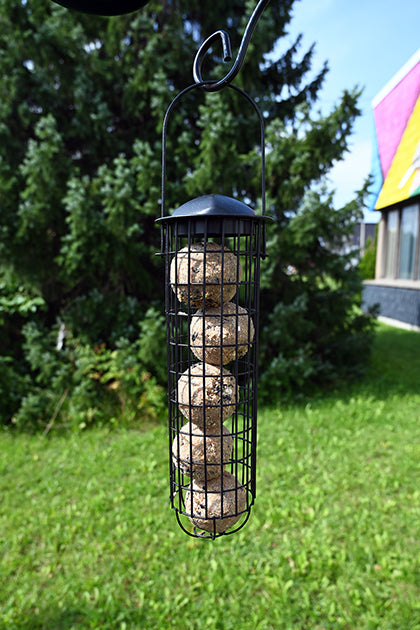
point(391, 244)
point(408, 242)
point(418, 259)
point(402, 243)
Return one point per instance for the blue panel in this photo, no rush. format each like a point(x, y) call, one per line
point(376, 172)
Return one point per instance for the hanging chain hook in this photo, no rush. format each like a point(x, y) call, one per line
point(214, 86)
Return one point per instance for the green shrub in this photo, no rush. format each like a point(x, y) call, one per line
point(80, 180)
point(13, 385)
point(368, 261)
point(74, 384)
point(314, 332)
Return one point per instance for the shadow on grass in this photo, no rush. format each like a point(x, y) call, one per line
point(394, 366)
point(393, 369)
point(395, 362)
point(62, 620)
point(73, 619)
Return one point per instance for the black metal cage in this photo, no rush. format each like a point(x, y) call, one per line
point(212, 248)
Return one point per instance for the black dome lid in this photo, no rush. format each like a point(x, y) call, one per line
point(214, 205)
point(103, 7)
point(213, 215)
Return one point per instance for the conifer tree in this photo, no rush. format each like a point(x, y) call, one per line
point(81, 108)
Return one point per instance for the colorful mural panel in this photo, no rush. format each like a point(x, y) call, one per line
point(396, 112)
point(403, 179)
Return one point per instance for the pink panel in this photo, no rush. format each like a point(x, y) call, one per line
point(392, 114)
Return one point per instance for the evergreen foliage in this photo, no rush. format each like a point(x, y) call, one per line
point(367, 263)
point(81, 290)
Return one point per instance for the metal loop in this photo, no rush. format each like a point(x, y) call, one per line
point(164, 136)
point(205, 47)
point(214, 86)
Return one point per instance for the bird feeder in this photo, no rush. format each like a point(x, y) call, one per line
point(212, 247)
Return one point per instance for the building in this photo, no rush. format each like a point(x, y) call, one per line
point(396, 287)
point(363, 232)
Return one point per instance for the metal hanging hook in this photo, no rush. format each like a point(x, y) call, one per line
point(214, 86)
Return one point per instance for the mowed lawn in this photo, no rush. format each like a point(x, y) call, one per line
point(88, 540)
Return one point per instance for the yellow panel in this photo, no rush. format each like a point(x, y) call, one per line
point(403, 180)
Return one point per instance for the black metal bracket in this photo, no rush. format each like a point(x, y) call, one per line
point(214, 86)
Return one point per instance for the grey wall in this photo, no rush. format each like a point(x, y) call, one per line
point(394, 302)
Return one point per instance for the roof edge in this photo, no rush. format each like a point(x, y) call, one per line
point(392, 83)
point(398, 204)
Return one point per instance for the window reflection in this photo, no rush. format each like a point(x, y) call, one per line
point(391, 244)
point(408, 241)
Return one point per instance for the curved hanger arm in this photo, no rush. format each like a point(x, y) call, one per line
point(214, 86)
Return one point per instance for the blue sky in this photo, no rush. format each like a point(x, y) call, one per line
point(365, 43)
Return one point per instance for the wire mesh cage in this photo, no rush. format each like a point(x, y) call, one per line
point(212, 248)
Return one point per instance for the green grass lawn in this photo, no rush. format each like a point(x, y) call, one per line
point(88, 540)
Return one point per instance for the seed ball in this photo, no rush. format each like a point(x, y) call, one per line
point(206, 394)
point(204, 271)
point(217, 505)
point(222, 333)
point(200, 455)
